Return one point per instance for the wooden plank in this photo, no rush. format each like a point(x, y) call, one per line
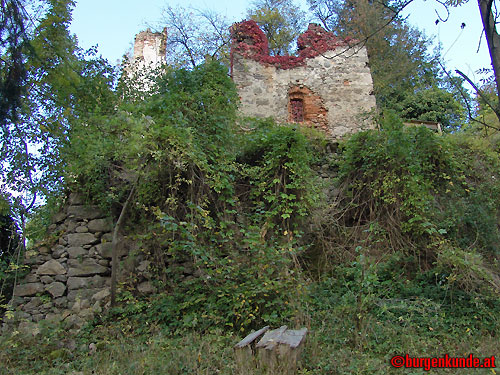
point(251, 337)
point(276, 353)
point(270, 339)
point(292, 338)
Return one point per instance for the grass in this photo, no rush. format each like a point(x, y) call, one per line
point(340, 341)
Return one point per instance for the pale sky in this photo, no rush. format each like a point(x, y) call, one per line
point(112, 25)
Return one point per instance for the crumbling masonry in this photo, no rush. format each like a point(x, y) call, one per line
point(327, 86)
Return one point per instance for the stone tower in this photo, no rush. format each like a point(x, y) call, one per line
point(150, 48)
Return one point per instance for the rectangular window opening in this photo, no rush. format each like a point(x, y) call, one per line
point(297, 108)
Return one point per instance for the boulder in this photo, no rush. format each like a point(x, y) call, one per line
point(78, 282)
point(80, 239)
point(80, 305)
point(53, 318)
point(30, 289)
point(31, 278)
point(71, 226)
point(105, 249)
point(56, 289)
point(86, 282)
point(88, 267)
point(61, 302)
point(43, 250)
point(61, 278)
point(73, 321)
point(58, 251)
point(33, 304)
point(51, 267)
point(99, 225)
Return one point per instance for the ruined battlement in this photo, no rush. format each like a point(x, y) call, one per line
point(150, 47)
point(328, 85)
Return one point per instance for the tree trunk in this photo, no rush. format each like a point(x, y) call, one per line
point(493, 40)
point(114, 248)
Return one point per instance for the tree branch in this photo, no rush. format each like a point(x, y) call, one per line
point(114, 246)
point(478, 91)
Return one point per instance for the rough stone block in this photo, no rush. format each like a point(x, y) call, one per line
point(99, 296)
point(46, 279)
point(56, 289)
point(78, 282)
point(105, 249)
point(51, 267)
point(81, 229)
point(81, 294)
point(58, 218)
point(58, 251)
point(33, 304)
point(85, 212)
point(99, 225)
point(30, 289)
point(31, 278)
point(61, 278)
point(76, 251)
point(76, 199)
point(80, 239)
point(88, 267)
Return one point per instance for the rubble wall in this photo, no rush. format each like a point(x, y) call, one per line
point(331, 71)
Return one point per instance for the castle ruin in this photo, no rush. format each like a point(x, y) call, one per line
point(327, 86)
point(150, 48)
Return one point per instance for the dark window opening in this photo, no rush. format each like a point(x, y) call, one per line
point(297, 107)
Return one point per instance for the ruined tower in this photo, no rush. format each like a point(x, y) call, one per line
point(150, 48)
point(328, 85)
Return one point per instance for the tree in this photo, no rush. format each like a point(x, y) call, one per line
point(281, 21)
point(13, 41)
point(58, 80)
point(489, 18)
point(194, 35)
point(9, 251)
point(400, 62)
point(325, 11)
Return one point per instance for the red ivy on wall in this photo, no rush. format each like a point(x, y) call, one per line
point(251, 42)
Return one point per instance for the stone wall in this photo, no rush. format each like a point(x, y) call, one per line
point(70, 272)
point(329, 80)
point(69, 278)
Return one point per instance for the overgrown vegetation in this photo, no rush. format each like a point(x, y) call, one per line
point(402, 258)
point(387, 245)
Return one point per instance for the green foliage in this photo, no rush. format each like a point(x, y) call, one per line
point(13, 35)
point(435, 199)
point(435, 105)
point(407, 77)
point(229, 213)
point(414, 162)
point(63, 84)
point(227, 203)
point(282, 22)
point(276, 161)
